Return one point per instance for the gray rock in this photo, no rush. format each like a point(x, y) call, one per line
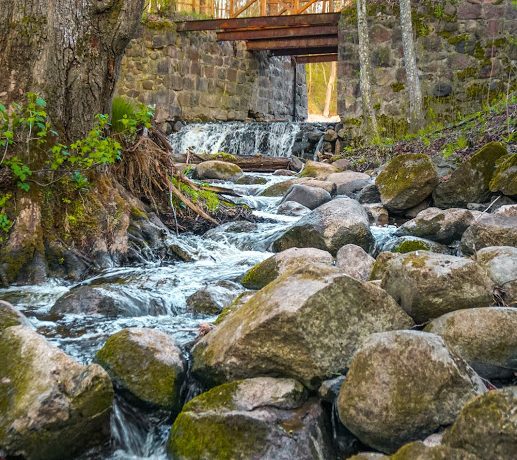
point(349, 182)
point(9, 316)
point(500, 262)
point(428, 285)
point(309, 197)
point(329, 389)
point(52, 407)
point(251, 180)
point(377, 213)
point(369, 195)
point(306, 325)
point(403, 386)
point(210, 300)
point(329, 227)
point(260, 418)
point(484, 337)
point(291, 208)
point(487, 426)
point(354, 261)
point(405, 244)
point(420, 451)
point(490, 230)
point(317, 170)
point(220, 170)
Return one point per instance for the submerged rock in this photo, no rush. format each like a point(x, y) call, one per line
point(146, 363)
point(317, 170)
point(260, 418)
point(484, 337)
point(406, 181)
point(220, 170)
point(428, 285)
point(268, 270)
point(470, 182)
point(251, 180)
point(354, 261)
point(495, 229)
point(210, 300)
point(403, 386)
point(487, 426)
point(52, 407)
point(9, 316)
point(306, 325)
point(405, 244)
point(310, 197)
point(329, 227)
point(500, 262)
point(291, 208)
point(442, 226)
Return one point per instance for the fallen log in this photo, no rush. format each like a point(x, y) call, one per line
point(255, 163)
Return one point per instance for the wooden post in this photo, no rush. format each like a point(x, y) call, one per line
point(263, 7)
point(232, 8)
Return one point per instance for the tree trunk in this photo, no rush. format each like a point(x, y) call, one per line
point(364, 62)
point(416, 117)
point(330, 88)
point(67, 51)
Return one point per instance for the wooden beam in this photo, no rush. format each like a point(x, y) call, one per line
point(279, 32)
point(287, 43)
point(305, 51)
point(314, 58)
point(260, 22)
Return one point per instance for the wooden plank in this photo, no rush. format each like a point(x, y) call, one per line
point(279, 32)
point(314, 58)
point(259, 23)
point(288, 43)
point(305, 51)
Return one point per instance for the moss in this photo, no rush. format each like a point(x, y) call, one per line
point(220, 397)
point(410, 246)
point(505, 176)
point(454, 40)
point(398, 87)
point(485, 158)
point(415, 260)
point(278, 189)
point(261, 274)
point(137, 213)
point(469, 72)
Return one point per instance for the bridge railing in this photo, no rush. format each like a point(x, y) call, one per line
point(224, 9)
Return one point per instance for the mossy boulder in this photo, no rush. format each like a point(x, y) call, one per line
point(310, 197)
point(261, 418)
point(51, 407)
point(210, 300)
point(484, 337)
point(487, 426)
point(500, 262)
point(354, 261)
point(380, 267)
point(147, 364)
point(317, 170)
point(420, 451)
point(268, 270)
point(428, 285)
point(306, 325)
point(405, 244)
point(403, 386)
point(442, 226)
point(406, 181)
point(470, 183)
point(498, 229)
point(278, 189)
point(220, 170)
point(329, 227)
point(9, 316)
point(504, 179)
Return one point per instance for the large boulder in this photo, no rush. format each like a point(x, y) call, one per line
point(349, 182)
point(504, 179)
point(311, 197)
point(52, 407)
point(147, 364)
point(270, 269)
point(428, 285)
point(210, 300)
point(487, 426)
point(354, 261)
point(470, 182)
point(329, 227)
point(260, 418)
point(405, 244)
point(403, 386)
point(442, 226)
point(306, 325)
point(221, 170)
point(278, 189)
point(497, 229)
point(317, 170)
point(9, 316)
point(500, 262)
point(484, 337)
point(406, 181)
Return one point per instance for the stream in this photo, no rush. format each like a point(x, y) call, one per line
point(224, 253)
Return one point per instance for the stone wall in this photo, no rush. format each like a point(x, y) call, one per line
point(466, 50)
point(191, 76)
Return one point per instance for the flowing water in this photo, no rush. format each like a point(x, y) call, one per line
point(224, 253)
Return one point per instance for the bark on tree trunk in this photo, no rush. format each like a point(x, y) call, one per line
point(416, 117)
point(330, 88)
point(67, 51)
point(364, 62)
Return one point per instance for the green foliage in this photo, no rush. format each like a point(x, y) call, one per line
point(209, 200)
point(5, 222)
point(453, 147)
point(128, 116)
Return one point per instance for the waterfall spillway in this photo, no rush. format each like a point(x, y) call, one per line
point(271, 139)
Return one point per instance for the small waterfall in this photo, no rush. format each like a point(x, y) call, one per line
point(270, 139)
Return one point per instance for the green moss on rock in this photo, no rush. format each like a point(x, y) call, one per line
point(504, 179)
point(261, 274)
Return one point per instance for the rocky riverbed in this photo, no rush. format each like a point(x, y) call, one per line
point(362, 315)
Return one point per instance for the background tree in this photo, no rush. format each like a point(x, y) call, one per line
point(416, 117)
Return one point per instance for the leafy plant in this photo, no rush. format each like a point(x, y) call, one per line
point(128, 116)
point(5, 222)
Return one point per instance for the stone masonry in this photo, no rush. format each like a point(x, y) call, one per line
point(191, 76)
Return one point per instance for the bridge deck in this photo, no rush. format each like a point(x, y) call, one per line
point(308, 37)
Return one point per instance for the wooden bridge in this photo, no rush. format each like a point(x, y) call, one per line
point(306, 30)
